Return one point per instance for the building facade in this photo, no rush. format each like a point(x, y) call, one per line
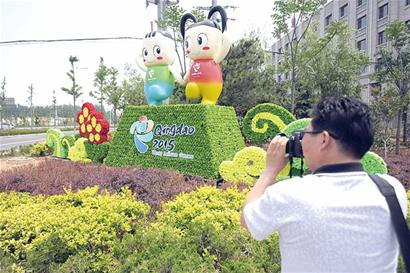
point(368, 20)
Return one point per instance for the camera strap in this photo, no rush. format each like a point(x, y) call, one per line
point(399, 223)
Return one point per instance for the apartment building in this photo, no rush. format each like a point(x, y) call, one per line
point(368, 19)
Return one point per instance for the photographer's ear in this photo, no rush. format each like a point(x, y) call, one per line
point(325, 140)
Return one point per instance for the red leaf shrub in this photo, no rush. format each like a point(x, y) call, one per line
point(52, 176)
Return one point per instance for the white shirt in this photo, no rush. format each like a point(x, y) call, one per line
point(329, 222)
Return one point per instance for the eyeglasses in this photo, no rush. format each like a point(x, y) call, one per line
point(303, 132)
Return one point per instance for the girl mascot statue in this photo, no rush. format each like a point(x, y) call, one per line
point(156, 60)
point(206, 44)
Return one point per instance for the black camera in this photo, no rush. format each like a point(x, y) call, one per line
point(294, 145)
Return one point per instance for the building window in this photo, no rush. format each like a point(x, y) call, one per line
point(383, 11)
point(408, 24)
point(280, 50)
point(363, 69)
point(361, 45)
point(328, 20)
point(362, 2)
point(381, 37)
point(407, 2)
point(279, 78)
point(361, 22)
point(287, 75)
point(343, 11)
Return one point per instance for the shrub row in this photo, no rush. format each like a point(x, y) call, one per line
point(52, 176)
point(86, 232)
point(11, 132)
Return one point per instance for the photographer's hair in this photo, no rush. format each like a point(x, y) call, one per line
point(349, 119)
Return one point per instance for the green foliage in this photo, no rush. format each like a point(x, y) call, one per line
point(40, 149)
point(328, 65)
point(97, 152)
point(247, 79)
point(299, 124)
point(217, 137)
point(100, 82)
point(264, 121)
point(385, 104)
point(74, 90)
point(55, 233)
point(372, 163)
point(393, 69)
point(132, 88)
point(78, 151)
point(200, 232)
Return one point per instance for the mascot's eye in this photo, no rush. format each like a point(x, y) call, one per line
point(157, 51)
point(202, 39)
point(145, 52)
point(187, 43)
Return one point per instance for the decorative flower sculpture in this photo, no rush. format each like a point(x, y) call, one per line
point(142, 131)
point(93, 125)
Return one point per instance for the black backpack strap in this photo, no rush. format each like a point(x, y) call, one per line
point(399, 223)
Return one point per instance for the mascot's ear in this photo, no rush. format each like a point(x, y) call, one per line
point(182, 23)
point(225, 47)
point(222, 12)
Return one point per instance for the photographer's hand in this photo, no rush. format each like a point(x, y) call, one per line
point(276, 158)
point(275, 161)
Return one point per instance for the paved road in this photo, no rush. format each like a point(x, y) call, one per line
point(8, 142)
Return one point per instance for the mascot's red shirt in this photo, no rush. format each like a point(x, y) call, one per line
point(205, 70)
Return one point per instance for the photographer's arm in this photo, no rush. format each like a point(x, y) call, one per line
point(275, 162)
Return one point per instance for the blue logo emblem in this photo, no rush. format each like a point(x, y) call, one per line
point(142, 131)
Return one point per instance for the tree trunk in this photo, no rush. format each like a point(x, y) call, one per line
point(397, 152)
point(405, 124)
point(74, 112)
point(115, 116)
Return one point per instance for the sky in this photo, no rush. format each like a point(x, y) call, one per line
point(45, 64)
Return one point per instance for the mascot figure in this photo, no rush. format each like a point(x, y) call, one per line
point(156, 60)
point(206, 45)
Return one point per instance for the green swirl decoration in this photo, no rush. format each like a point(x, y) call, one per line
point(264, 121)
point(67, 142)
point(54, 137)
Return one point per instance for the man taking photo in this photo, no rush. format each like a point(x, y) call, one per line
point(335, 219)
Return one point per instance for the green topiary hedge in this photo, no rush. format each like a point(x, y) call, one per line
point(193, 139)
point(264, 121)
point(47, 234)
point(200, 232)
point(97, 152)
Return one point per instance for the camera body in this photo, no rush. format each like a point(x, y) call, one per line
point(294, 145)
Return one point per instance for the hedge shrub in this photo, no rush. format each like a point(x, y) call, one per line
point(217, 137)
point(373, 163)
point(199, 232)
point(47, 233)
point(264, 121)
point(97, 152)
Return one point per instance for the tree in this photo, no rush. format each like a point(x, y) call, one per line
point(385, 105)
point(300, 12)
point(171, 18)
point(393, 68)
point(2, 101)
point(247, 80)
point(114, 93)
point(100, 81)
point(74, 90)
point(132, 88)
point(329, 66)
point(30, 103)
point(54, 101)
